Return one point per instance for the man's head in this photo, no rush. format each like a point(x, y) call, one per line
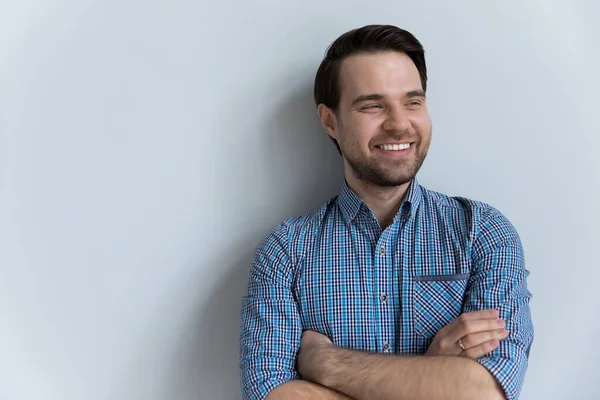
point(370, 96)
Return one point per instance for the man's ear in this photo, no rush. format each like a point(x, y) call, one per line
point(328, 120)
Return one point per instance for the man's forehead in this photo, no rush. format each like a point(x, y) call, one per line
point(377, 72)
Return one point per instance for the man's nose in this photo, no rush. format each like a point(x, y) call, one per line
point(397, 120)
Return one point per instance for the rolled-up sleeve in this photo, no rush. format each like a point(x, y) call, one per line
point(270, 323)
point(499, 281)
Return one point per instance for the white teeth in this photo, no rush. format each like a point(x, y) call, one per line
point(390, 147)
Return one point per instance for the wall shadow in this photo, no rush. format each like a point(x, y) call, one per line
point(298, 148)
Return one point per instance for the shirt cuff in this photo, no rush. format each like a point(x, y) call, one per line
point(509, 373)
point(258, 389)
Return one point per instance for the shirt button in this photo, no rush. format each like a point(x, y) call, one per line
point(383, 297)
point(382, 250)
point(386, 346)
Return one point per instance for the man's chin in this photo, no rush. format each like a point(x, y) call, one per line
point(384, 175)
point(394, 183)
point(389, 181)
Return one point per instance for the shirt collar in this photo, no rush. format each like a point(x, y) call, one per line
point(350, 203)
point(411, 202)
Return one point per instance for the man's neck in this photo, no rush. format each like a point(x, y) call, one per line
point(383, 201)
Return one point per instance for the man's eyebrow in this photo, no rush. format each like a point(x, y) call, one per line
point(415, 93)
point(378, 96)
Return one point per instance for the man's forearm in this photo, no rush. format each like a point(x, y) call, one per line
point(369, 376)
point(303, 390)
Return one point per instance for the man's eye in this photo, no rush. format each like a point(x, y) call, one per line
point(414, 105)
point(371, 106)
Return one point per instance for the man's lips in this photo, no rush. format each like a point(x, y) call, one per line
point(395, 149)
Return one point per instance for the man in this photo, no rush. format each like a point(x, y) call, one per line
point(390, 290)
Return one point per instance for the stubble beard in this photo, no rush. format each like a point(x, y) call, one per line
point(385, 174)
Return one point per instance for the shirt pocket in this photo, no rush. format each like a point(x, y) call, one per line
point(437, 300)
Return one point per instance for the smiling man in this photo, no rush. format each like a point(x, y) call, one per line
point(389, 290)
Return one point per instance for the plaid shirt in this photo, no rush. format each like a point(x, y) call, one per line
point(335, 272)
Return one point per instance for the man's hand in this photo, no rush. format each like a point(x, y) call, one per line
point(312, 345)
point(479, 332)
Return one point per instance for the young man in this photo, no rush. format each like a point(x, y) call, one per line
point(390, 290)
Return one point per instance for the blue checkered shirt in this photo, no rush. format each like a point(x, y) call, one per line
point(334, 271)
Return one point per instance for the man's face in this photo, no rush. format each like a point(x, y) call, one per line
point(382, 125)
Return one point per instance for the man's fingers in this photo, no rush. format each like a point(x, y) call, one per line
point(481, 350)
point(490, 314)
point(463, 328)
point(482, 314)
point(485, 322)
point(476, 339)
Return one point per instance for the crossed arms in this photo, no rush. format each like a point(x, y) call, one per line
point(278, 363)
point(445, 372)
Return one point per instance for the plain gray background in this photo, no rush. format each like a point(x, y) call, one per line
point(147, 146)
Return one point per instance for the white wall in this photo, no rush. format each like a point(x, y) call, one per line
point(147, 146)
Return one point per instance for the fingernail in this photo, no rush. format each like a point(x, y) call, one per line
point(501, 322)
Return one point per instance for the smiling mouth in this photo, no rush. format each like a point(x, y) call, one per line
point(394, 147)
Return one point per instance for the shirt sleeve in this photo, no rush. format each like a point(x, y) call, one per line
point(499, 281)
point(270, 322)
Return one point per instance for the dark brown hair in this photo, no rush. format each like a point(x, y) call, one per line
point(370, 38)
